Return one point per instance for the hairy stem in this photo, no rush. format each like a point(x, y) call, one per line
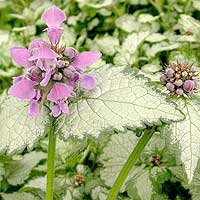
point(50, 164)
point(130, 163)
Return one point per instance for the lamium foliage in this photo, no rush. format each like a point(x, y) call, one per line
point(187, 134)
point(121, 99)
point(159, 38)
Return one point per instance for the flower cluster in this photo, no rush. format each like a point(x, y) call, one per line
point(180, 78)
point(53, 72)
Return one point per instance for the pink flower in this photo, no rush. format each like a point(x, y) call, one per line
point(43, 53)
point(60, 107)
point(34, 108)
point(54, 17)
point(23, 89)
point(54, 74)
point(38, 43)
point(84, 59)
point(21, 56)
point(59, 91)
point(47, 78)
point(88, 82)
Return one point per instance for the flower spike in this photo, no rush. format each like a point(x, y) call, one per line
point(55, 73)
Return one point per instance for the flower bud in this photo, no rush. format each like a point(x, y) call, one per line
point(188, 85)
point(67, 63)
point(163, 78)
point(193, 69)
point(70, 53)
point(68, 72)
point(178, 82)
point(170, 87)
point(184, 74)
point(179, 91)
point(169, 72)
point(61, 64)
point(57, 77)
point(178, 76)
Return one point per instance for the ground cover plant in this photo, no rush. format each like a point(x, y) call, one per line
point(99, 100)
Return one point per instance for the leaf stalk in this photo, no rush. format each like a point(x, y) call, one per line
point(50, 163)
point(129, 164)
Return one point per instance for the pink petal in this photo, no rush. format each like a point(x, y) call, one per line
point(34, 108)
point(21, 56)
point(53, 17)
point(56, 111)
point(38, 43)
point(85, 59)
point(59, 91)
point(64, 107)
point(55, 34)
point(18, 78)
point(43, 52)
point(47, 78)
point(23, 89)
point(88, 82)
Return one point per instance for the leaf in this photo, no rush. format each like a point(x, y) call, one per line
point(155, 37)
point(124, 57)
point(140, 185)
point(133, 41)
point(127, 23)
point(159, 47)
point(4, 36)
point(113, 159)
point(39, 183)
point(128, 54)
point(99, 193)
point(96, 5)
point(120, 99)
point(18, 129)
point(69, 37)
point(18, 196)
point(189, 24)
point(187, 134)
point(195, 185)
point(152, 67)
point(106, 44)
point(17, 171)
point(146, 17)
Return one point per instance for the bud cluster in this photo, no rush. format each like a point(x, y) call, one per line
point(180, 78)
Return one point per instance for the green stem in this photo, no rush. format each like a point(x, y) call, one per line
point(50, 164)
point(129, 164)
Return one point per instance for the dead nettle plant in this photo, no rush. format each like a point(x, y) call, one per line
point(58, 95)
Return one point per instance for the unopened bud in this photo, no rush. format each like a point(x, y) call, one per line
point(178, 82)
point(61, 64)
point(188, 85)
point(163, 78)
point(178, 76)
point(68, 72)
point(193, 69)
point(170, 87)
point(169, 72)
point(184, 74)
point(70, 53)
point(57, 77)
point(179, 91)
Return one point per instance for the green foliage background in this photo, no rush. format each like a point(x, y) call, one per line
point(145, 34)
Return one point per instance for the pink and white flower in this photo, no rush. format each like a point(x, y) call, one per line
point(54, 74)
